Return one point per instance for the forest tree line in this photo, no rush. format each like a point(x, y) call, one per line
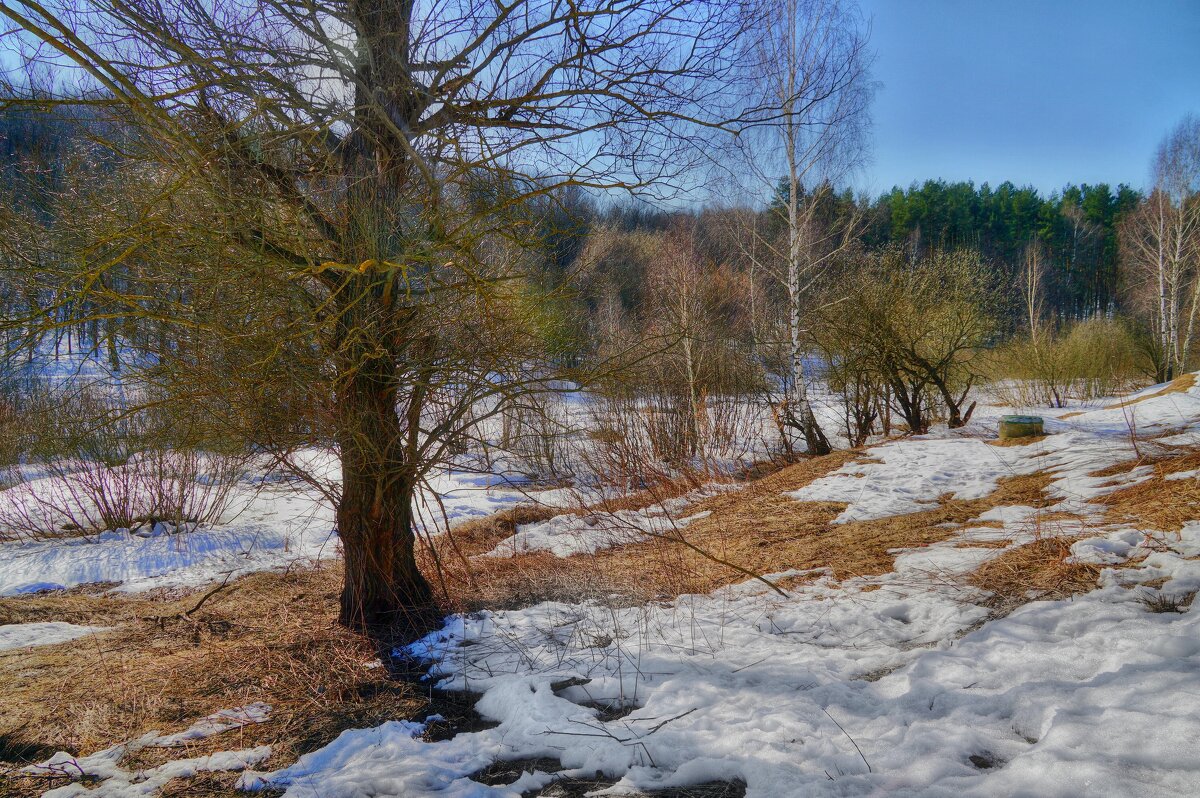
point(611, 266)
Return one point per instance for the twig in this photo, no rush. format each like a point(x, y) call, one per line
point(658, 726)
point(188, 614)
point(848, 737)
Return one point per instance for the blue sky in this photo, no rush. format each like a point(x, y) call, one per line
point(1039, 93)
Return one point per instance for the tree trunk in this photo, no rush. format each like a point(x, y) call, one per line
point(911, 406)
point(799, 406)
point(954, 405)
point(1164, 325)
point(384, 591)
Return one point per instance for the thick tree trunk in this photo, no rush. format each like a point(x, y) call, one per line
point(384, 591)
point(911, 406)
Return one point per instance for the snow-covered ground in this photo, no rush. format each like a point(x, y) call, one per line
point(897, 684)
point(564, 535)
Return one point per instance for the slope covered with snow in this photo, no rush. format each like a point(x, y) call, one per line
point(897, 684)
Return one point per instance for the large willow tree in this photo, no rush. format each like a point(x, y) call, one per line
point(334, 193)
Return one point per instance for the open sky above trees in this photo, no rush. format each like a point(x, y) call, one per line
point(1038, 93)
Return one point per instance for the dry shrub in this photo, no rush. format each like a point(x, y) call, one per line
point(644, 441)
point(1085, 361)
point(917, 327)
point(99, 466)
point(538, 435)
point(12, 431)
point(176, 486)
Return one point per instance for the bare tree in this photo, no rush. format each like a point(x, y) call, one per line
point(1160, 244)
point(814, 62)
point(1032, 282)
point(920, 329)
point(335, 171)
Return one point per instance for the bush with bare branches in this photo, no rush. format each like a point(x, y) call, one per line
point(918, 327)
point(1082, 361)
point(91, 466)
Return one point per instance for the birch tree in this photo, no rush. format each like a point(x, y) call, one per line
point(1160, 242)
point(814, 64)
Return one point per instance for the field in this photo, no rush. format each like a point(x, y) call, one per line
point(930, 615)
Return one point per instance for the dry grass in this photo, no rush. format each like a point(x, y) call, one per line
point(266, 637)
point(639, 572)
point(1156, 503)
point(1180, 384)
point(1035, 570)
point(1016, 441)
point(750, 532)
point(1039, 569)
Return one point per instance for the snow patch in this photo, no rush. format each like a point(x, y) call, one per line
point(25, 635)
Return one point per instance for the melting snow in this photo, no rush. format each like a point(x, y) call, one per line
point(24, 635)
point(900, 684)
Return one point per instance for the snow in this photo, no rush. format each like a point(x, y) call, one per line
point(900, 684)
point(117, 782)
point(216, 723)
point(1094, 696)
point(386, 760)
point(911, 474)
point(24, 635)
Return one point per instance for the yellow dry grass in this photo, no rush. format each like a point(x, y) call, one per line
point(1180, 384)
point(749, 532)
point(265, 637)
point(1039, 569)
point(1156, 503)
point(1016, 441)
point(1035, 570)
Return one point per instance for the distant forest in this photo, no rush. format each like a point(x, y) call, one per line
point(1077, 228)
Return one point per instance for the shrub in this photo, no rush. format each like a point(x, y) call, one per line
point(92, 466)
point(538, 434)
point(1083, 361)
point(915, 328)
